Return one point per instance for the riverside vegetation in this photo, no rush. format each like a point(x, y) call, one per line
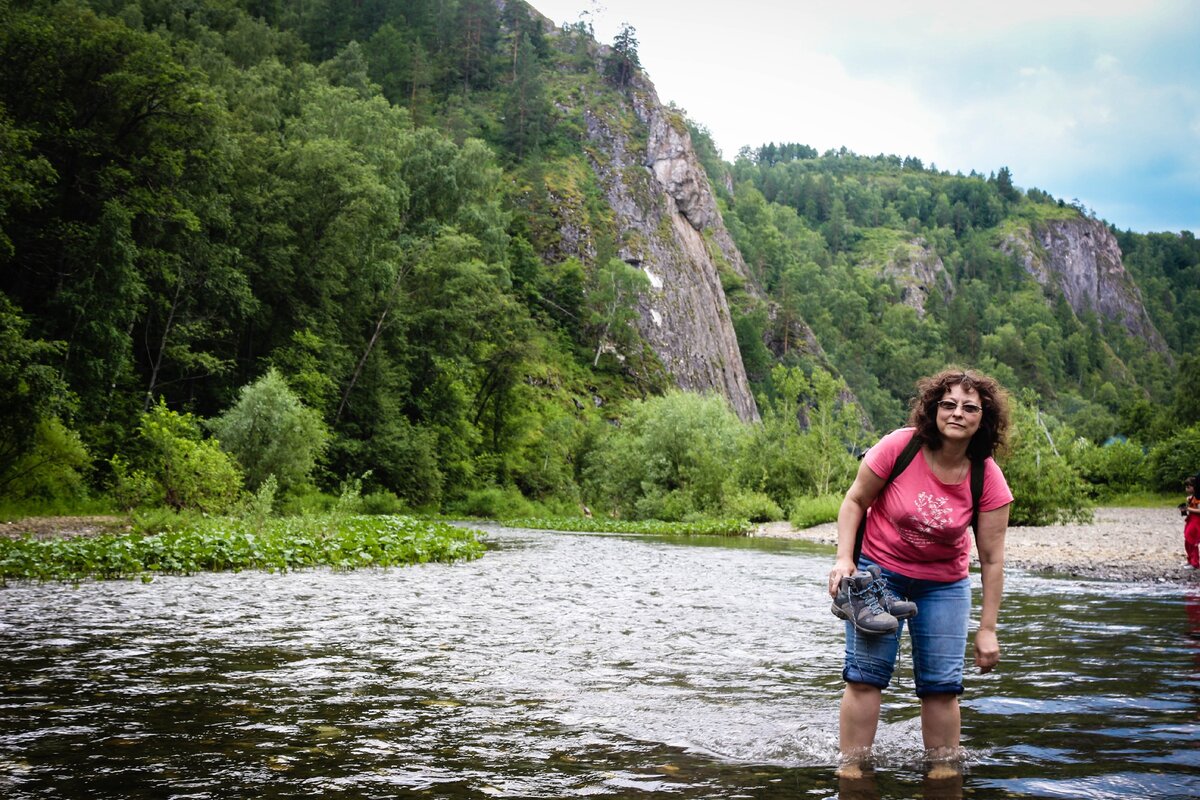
point(270, 250)
point(227, 543)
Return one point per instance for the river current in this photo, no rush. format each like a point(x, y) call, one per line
point(568, 665)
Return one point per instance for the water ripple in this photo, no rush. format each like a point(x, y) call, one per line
point(560, 665)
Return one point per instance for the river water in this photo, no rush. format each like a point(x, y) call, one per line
point(564, 665)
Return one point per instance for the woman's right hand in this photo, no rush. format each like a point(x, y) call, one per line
point(842, 568)
point(862, 493)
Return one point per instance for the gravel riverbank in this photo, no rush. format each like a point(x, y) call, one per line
point(1144, 545)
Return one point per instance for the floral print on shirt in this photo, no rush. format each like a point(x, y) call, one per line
point(926, 526)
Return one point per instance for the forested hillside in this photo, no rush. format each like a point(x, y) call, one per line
point(899, 268)
point(335, 233)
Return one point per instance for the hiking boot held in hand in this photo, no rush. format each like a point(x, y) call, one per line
point(859, 602)
point(900, 609)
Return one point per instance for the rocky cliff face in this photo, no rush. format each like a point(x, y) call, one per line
point(668, 226)
point(918, 270)
point(1082, 258)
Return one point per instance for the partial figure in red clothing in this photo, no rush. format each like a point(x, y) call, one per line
point(1191, 528)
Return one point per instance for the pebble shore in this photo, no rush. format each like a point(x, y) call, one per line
point(1141, 545)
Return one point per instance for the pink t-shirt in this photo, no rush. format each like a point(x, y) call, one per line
point(918, 526)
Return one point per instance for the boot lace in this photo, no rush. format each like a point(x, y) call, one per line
point(884, 592)
point(871, 597)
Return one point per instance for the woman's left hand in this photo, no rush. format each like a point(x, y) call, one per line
point(987, 649)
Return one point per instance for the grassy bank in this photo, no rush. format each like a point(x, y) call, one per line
point(704, 527)
point(223, 543)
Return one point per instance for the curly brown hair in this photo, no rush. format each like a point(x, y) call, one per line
point(993, 427)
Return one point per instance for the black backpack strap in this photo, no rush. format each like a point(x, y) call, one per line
point(978, 468)
point(902, 461)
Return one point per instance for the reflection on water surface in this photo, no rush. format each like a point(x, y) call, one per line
point(566, 665)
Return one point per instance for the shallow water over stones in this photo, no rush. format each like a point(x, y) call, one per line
point(564, 665)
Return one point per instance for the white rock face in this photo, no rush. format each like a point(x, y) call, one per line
point(670, 228)
point(918, 270)
point(1082, 258)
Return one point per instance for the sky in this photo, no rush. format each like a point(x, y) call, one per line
point(1093, 101)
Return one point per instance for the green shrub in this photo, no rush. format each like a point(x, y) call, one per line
point(754, 506)
point(1174, 459)
point(349, 500)
point(1116, 468)
point(270, 432)
point(404, 458)
point(382, 501)
point(1046, 487)
point(492, 502)
point(668, 506)
point(784, 458)
point(32, 388)
point(260, 506)
point(556, 506)
point(809, 511)
point(671, 457)
point(133, 488)
point(53, 469)
point(178, 467)
point(308, 500)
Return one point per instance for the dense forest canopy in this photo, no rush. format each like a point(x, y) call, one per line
point(348, 209)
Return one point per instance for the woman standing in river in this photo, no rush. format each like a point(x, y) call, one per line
point(916, 541)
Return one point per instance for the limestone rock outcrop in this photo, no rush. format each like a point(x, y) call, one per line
point(1081, 258)
point(668, 226)
point(918, 270)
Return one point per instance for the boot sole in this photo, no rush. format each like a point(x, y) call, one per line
point(837, 612)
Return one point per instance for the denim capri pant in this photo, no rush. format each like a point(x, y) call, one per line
point(938, 633)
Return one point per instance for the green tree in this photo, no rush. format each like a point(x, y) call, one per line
point(526, 108)
point(1004, 185)
point(349, 68)
point(475, 42)
point(1174, 459)
point(622, 62)
point(31, 390)
point(1047, 488)
point(669, 459)
point(612, 307)
point(111, 247)
point(24, 176)
point(1110, 469)
point(176, 466)
point(773, 461)
point(270, 432)
point(54, 468)
point(1186, 407)
point(834, 432)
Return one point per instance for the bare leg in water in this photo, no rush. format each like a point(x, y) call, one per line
point(857, 723)
point(941, 725)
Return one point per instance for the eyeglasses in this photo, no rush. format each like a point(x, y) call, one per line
point(968, 408)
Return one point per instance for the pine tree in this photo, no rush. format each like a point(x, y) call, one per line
point(623, 62)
